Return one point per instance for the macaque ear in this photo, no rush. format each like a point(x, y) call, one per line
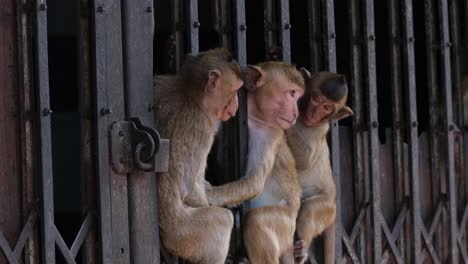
point(254, 77)
point(343, 112)
point(214, 80)
point(305, 73)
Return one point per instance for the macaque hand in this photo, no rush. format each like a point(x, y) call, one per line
point(300, 251)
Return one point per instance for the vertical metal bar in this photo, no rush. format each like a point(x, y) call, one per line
point(43, 113)
point(397, 108)
point(332, 243)
point(113, 204)
point(374, 164)
point(397, 105)
point(465, 42)
point(456, 56)
point(241, 35)
point(193, 25)
point(242, 131)
point(455, 60)
point(88, 173)
point(361, 185)
point(449, 127)
point(412, 124)
point(24, 35)
point(285, 30)
point(224, 23)
point(313, 19)
point(138, 79)
point(434, 113)
point(269, 27)
point(177, 30)
point(329, 36)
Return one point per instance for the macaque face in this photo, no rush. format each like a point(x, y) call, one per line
point(318, 110)
point(223, 95)
point(277, 102)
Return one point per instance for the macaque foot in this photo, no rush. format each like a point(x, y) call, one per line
point(243, 260)
point(229, 260)
point(233, 260)
point(300, 251)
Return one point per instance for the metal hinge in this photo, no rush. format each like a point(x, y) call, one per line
point(137, 147)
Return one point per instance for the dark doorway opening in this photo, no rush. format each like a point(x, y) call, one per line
point(63, 40)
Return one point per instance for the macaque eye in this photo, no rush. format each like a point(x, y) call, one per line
point(327, 107)
point(292, 93)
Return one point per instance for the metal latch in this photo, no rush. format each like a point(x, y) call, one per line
point(137, 147)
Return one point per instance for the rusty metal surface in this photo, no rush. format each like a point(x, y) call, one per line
point(11, 216)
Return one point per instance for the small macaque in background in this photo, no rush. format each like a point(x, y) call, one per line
point(274, 88)
point(324, 100)
point(191, 106)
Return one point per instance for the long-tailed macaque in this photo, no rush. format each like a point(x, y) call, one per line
point(324, 100)
point(191, 106)
point(273, 90)
point(269, 225)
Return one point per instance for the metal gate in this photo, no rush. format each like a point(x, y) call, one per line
point(399, 163)
point(118, 210)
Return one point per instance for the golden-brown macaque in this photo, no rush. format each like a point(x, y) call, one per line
point(270, 224)
point(272, 108)
point(324, 100)
point(191, 106)
point(273, 91)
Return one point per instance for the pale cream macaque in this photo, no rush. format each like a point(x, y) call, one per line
point(191, 106)
point(324, 100)
point(272, 108)
point(273, 90)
